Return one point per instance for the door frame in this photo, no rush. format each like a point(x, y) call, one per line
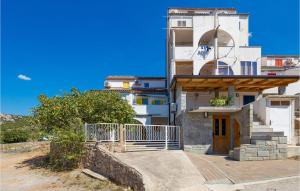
point(226, 138)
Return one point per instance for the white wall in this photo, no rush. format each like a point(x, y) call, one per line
point(234, 25)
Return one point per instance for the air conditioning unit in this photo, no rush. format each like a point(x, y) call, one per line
point(173, 107)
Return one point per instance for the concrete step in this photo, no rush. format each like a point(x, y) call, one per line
point(272, 134)
point(256, 123)
point(262, 129)
point(260, 126)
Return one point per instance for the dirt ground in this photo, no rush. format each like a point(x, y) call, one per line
point(27, 172)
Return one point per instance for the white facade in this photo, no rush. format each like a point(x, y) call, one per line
point(193, 43)
point(147, 96)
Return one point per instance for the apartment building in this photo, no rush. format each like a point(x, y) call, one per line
point(147, 95)
point(215, 82)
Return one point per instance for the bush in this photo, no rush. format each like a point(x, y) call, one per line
point(220, 101)
point(14, 134)
point(67, 149)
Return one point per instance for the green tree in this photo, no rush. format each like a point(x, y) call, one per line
point(89, 107)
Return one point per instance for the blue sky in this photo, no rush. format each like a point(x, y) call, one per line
point(60, 44)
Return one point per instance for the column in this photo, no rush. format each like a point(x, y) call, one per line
point(231, 94)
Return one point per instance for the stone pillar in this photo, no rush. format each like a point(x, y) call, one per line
point(122, 137)
point(231, 94)
point(231, 131)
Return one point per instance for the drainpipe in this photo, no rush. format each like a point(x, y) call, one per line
point(216, 42)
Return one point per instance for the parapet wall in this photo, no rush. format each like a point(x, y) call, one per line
point(273, 149)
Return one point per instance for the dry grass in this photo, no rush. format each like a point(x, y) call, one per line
point(29, 171)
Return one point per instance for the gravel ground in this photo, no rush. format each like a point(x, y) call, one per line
point(25, 171)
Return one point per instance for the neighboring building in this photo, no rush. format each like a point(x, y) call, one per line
point(277, 65)
point(147, 95)
point(209, 56)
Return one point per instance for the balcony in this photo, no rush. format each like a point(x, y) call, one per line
point(189, 53)
point(155, 110)
point(184, 52)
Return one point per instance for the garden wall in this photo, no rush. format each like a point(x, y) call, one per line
point(101, 161)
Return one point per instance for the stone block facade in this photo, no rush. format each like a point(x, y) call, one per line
point(101, 161)
point(273, 149)
point(197, 132)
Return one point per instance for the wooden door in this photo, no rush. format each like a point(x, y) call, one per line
point(237, 134)
point(221, 134)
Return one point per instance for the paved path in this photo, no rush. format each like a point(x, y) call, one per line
point(243, 171)
point(165, 170)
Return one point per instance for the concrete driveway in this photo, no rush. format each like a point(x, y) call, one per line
point(165, 170)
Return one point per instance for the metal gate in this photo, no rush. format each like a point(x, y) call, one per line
point(135, 137)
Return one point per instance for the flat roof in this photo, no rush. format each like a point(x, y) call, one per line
point(140, 90)
point(135, 78)
point(240, 82)
point(281, 55)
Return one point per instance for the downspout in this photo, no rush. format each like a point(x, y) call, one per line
point(216, 26)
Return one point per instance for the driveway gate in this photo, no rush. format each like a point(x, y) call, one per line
point(135, 137)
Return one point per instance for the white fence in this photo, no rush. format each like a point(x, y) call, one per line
point(102, 132)
point(138, 132)
point(135, 136)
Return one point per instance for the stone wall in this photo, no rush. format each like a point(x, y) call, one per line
point(101, 161)
point(273, 149)
point(26, 146)
point(245, 118)
point(197, 131)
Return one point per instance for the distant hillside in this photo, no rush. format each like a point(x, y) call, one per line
point(4, 118)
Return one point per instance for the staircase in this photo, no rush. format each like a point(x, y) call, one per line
point(259, 126)
point(151, 146)
point(265, 144)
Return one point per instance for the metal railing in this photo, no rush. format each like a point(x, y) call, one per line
point(102, 132)
point(137, 132)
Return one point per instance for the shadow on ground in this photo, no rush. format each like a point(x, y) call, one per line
point(36, 162)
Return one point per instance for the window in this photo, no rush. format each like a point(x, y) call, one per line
point(157, 102)
point(216, 127)
point(223, 127)
point(280, 103)
point(248, 68)
point(278, 63)
point(248, 99)
point(141, 100)
point(224, 69)
point(126, 85)
point(181, 23)
point(146, 85)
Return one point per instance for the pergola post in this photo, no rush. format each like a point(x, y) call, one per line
point(231, 94)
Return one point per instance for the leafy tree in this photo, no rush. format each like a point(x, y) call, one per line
point(90, 107)
point(63, 116)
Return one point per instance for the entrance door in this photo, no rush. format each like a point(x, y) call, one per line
point(248, 99)
point(281, 117)
point(237, 134)
point(221, 134)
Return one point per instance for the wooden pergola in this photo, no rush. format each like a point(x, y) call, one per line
point(241, 83)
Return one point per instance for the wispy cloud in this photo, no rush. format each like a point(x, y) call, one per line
point(23, 77)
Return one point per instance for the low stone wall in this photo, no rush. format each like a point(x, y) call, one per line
point(101, 161)
point(273, 149)
point(26, 146)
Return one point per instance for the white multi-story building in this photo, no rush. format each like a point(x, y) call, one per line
point(147, 95)
point(209, 61)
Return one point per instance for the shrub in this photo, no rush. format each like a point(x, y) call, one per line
point(220, 101)
point(14, 134)
point(67, 149)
